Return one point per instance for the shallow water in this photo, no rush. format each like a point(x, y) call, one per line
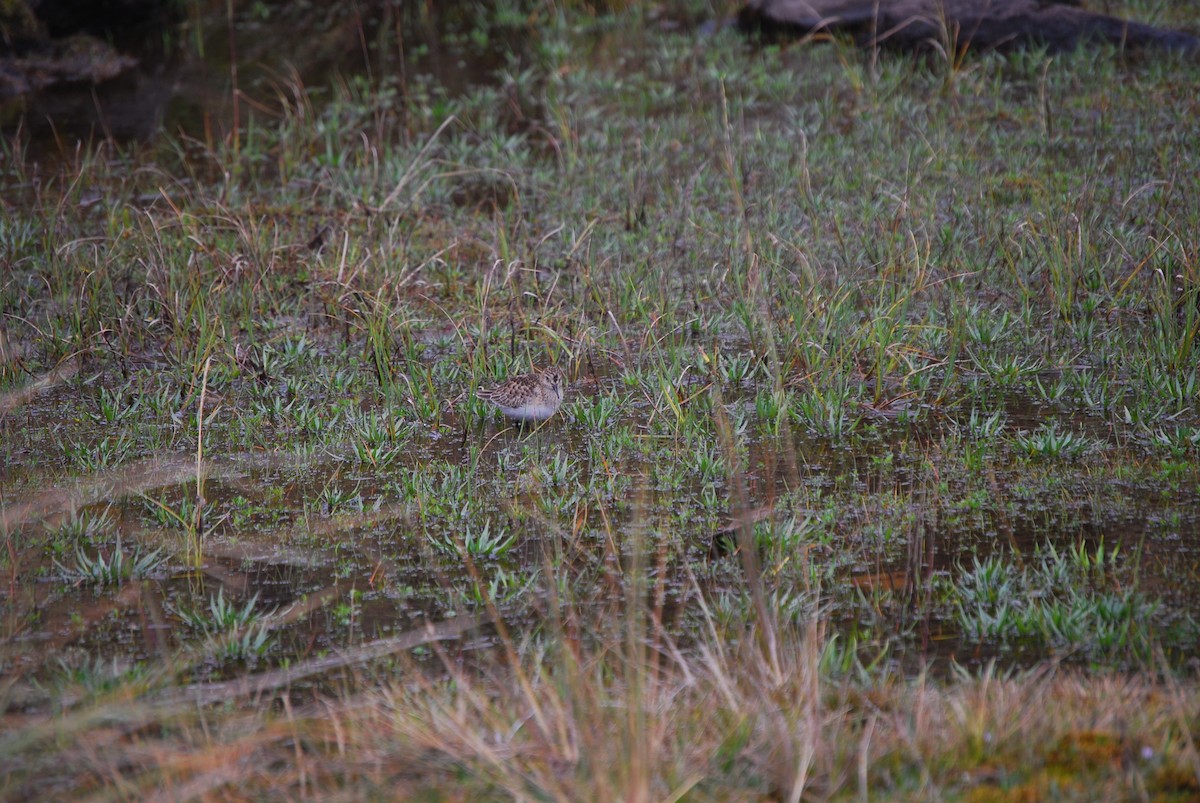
point(314, 523)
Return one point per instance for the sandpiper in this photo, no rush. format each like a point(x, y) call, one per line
point(529, 397)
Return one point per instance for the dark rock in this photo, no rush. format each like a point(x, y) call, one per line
point(978, 24)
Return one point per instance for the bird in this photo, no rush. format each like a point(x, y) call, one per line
point(534, 396)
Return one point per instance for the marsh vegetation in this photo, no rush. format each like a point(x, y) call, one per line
point(876, 474)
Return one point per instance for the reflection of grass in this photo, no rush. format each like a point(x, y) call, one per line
point(831, 323)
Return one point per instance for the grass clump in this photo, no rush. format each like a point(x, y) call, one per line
point(114, 569)
point(1071, 600)
point(235, 634)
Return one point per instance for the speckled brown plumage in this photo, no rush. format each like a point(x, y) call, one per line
point(529, 397)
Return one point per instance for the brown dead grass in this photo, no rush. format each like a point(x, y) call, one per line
point(625, 721)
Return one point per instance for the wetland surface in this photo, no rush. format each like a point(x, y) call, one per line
point(886, 365)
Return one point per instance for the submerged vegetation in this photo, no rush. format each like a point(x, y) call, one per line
point(876, 473)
